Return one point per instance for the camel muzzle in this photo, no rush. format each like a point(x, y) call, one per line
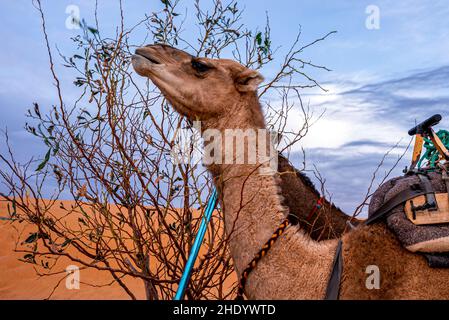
point(143, 52)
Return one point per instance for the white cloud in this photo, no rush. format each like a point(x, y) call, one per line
point(363, 123)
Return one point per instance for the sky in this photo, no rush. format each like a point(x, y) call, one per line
point(386, 74)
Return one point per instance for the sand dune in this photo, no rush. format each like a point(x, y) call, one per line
point(18, 280)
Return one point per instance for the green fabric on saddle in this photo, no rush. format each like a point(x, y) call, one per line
point(432, 153)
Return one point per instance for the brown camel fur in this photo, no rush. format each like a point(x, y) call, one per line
point(222, 94)
point(300, 196)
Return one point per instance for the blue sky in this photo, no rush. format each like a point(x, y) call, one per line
point(381, 80)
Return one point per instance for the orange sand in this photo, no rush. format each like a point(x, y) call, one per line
point(19, 280)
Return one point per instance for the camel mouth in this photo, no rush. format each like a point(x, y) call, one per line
point(145, 54)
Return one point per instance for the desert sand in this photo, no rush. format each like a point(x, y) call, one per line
point(19, 280)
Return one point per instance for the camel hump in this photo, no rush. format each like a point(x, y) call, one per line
point(418, 213)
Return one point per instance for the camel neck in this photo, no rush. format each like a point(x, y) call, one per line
point(252, 208)
point(249, 192)
point(244, 114)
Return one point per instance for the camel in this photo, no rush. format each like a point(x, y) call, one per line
point(300, 196)
point(222, 94)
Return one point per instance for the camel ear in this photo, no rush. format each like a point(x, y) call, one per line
point(248, 80)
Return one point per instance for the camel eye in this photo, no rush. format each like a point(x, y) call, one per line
point(200, 66)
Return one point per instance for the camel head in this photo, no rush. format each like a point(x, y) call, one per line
point(199, 88)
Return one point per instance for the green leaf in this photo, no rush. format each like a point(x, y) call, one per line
point(43, 163)
point(36, 109)
point(92, 30)
point(267, 43)
point(81, 220)
point(32, 238)
point(66, 242)
point(56, 149)
point(14, 209)
point(166, 2)
point(259, 38)
point(29, 257)
point(84, 213)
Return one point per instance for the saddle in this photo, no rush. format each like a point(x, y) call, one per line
point(416, 206)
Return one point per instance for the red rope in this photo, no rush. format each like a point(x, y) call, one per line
point(316, 207)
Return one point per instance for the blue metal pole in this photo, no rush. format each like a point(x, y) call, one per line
point(196, 246)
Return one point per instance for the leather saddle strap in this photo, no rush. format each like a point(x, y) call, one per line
point(333, 285)
point(430, 196)
point(407, 194)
